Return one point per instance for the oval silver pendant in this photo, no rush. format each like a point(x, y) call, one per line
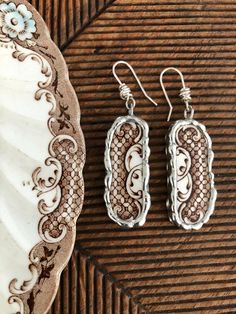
point(126, 160)
point(192, 194)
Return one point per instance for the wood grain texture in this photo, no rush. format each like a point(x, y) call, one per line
point(67, 18)
point(157, 268)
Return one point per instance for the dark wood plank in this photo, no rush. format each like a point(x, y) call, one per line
point(157, 268)
point(67, 18)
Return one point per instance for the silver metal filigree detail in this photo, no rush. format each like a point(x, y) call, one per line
point(126, 160)
point(190, 178)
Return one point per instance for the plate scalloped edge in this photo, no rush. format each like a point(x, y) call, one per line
point(60, 194)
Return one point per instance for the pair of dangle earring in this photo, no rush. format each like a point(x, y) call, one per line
point(190, 180)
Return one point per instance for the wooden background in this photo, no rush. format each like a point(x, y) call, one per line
point(157, 268)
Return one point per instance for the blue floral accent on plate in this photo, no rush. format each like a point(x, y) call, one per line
point(16, 21)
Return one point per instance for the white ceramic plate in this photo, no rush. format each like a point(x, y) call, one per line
point(41, 160)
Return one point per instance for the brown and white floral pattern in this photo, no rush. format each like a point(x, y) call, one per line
point(126, 161)
point(54, 226)
point(192, 193)
point(57, 185)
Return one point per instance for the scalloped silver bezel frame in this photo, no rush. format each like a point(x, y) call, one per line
point(141, 219)
point(171, 180)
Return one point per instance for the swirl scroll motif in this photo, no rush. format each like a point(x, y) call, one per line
point(126, 157)
point(54, 226)
point(193, 192)
point(48, 188)
point(58, 182)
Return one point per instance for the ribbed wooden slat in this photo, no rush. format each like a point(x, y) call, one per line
point(165, 269)
point(158, 268)
point(66, 18)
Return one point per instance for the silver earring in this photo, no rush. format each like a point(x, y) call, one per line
point(127, 162)
point(192, 194)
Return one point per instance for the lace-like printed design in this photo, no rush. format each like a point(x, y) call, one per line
point(193, 173)
point(126, 158)
point(65, 216)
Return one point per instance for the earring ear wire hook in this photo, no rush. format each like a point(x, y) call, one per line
point(125, 91)
point(185, 94)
